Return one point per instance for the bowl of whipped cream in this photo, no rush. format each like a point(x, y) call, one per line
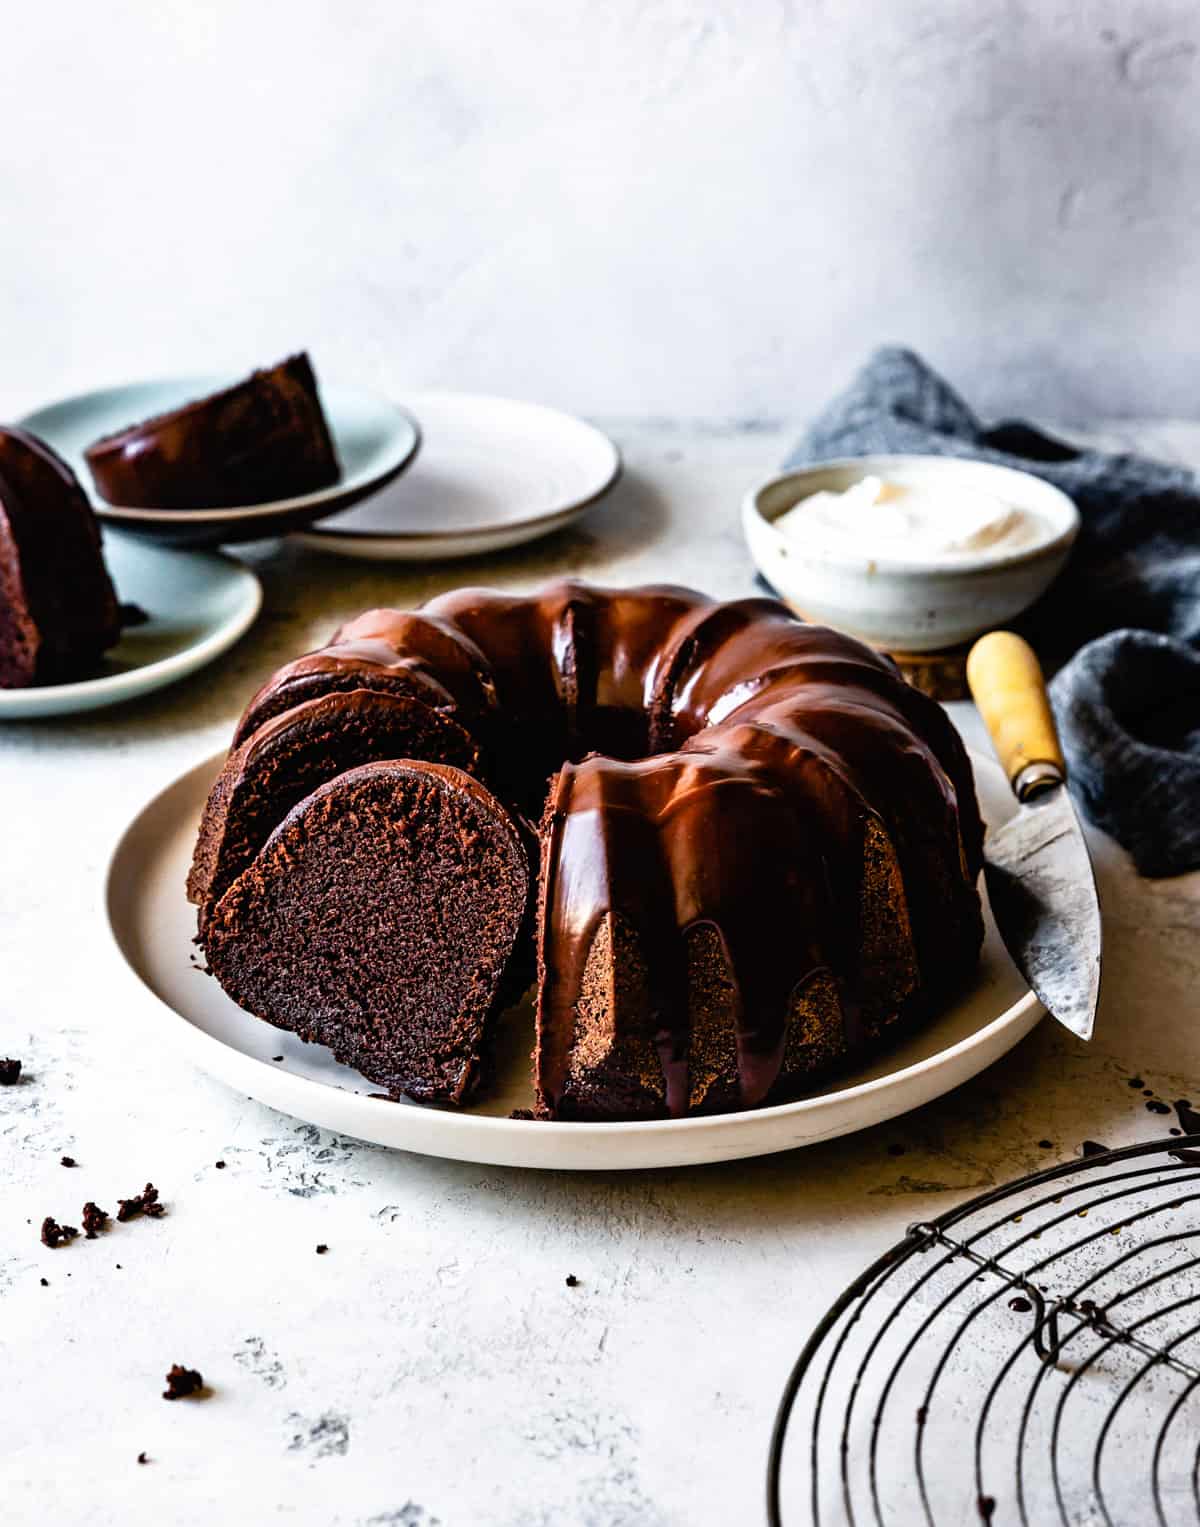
point(910, 553)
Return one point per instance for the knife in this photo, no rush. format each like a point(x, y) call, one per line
point(1037, 866)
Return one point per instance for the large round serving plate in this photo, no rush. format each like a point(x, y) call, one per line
point(196, 605)
point(493, 473)
point(375, 441)
point(153, 926)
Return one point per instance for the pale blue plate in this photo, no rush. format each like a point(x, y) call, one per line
point(199, 603)
point(374, 439)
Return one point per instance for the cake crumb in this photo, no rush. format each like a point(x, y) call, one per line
point(55, 1235)
point(182, 1382)
point(95, 1219)
point(1189, 1117)
point(45, 1282)
point(146, 1202)
point(142, 1458)
point(68, 1161)
point(276, 1057)
point(322, 1249)
point(220, 1166)
point(10, 1071)
point(572, 1280)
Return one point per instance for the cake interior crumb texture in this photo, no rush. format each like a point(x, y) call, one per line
point(427, 870)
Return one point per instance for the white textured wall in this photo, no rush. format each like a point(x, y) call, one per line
point(676, 207)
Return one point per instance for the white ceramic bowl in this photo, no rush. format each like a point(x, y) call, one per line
point(908, 606)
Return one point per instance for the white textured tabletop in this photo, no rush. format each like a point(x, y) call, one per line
point(434, 1366)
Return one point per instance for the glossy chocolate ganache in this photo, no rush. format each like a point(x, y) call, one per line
point(756, 848)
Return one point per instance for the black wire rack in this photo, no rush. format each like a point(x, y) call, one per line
point(1031, 1356)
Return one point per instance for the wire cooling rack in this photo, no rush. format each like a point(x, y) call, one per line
point(1032, 1356)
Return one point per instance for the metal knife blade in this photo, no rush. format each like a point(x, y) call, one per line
point(1043, 894)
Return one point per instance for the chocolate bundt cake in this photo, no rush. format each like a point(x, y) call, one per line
point(58, 611)
point(758, 849)
point(264, 439)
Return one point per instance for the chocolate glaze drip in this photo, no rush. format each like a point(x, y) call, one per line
point(670, 844)
point(717, 766)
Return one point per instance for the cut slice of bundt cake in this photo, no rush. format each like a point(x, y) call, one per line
point(401, 652)
point(381, 918)
point(289, 756)
point(261, 440)
point(58, 611)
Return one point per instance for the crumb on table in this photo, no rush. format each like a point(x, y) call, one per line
point(182, 1382)
point(55, 1235)
point(95, 1219)
point(146, 1202)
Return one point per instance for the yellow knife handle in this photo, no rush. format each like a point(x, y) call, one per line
point(1007, 684)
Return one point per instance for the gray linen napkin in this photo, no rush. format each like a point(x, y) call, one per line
point(1128, 700)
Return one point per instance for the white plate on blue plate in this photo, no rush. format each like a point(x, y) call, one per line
point(374, 438)
point(197, 604)
point(153, 925)
point(493, 472)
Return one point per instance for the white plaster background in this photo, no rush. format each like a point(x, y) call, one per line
point(705, 208)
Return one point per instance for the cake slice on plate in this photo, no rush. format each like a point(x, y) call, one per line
point(380, 919)
point(58, 611)
point(254, 443)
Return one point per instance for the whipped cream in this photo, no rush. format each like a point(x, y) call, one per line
point(914, 518)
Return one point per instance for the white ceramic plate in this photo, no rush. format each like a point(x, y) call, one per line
point(374, 438)
point(198, 604)
point(153, 925)
point(493, 472)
